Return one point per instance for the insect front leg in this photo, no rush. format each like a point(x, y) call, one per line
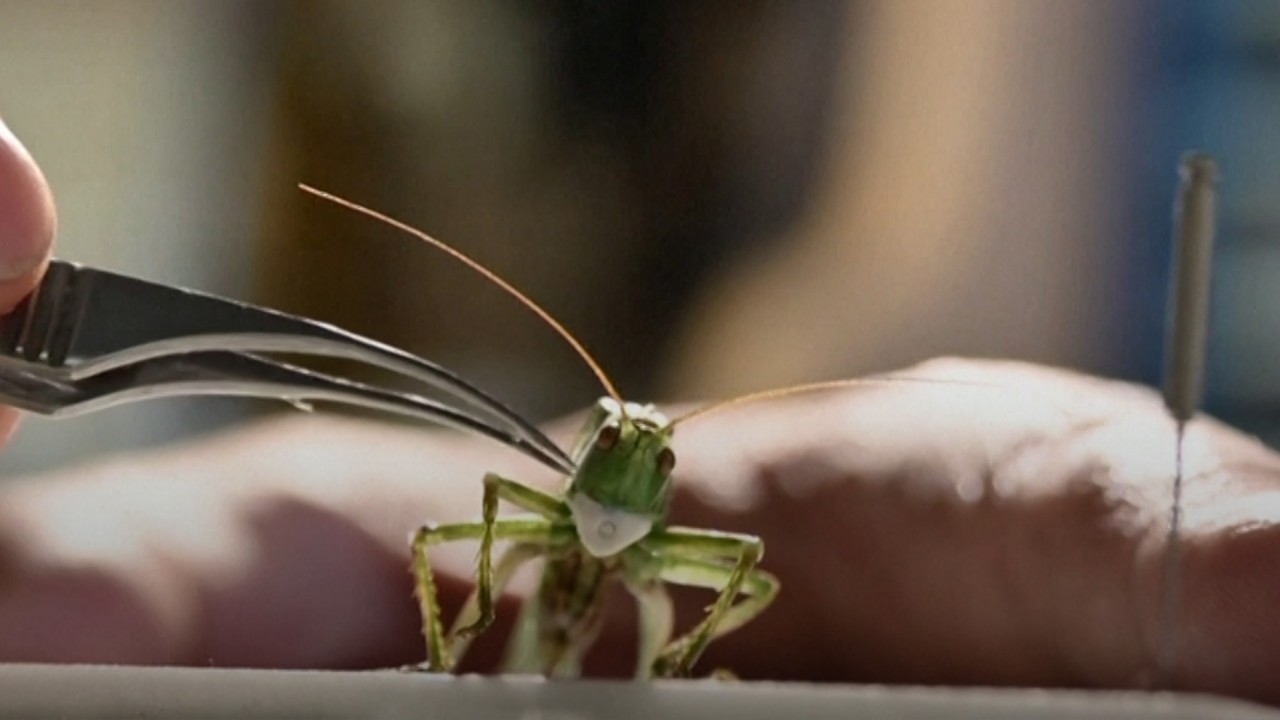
point(496, 489)
point(503, 571)
point(525, 530)
point(701, 558)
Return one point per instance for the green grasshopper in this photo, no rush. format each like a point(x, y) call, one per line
point(610, 522)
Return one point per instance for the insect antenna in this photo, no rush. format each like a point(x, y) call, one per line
point(823, 385)
point(485, 273)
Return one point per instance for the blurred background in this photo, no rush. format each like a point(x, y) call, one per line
point(715, 197)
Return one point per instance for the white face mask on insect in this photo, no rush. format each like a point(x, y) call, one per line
point(605, 531)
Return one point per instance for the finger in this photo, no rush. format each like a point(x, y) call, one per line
point(282, 545)
point(27, 220)
point(26, 233)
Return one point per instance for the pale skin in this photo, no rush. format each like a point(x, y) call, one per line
point(919, 535)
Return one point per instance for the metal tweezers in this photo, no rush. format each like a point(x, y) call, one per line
point(87, 339)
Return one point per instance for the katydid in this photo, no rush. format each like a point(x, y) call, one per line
point(610, 522)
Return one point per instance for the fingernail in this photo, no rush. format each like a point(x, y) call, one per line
point(13, 144)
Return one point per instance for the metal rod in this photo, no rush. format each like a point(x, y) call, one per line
point(1189, 286)
point(1188, 336)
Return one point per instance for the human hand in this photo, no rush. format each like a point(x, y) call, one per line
point(958, 535)
point(27, 225)
point(923, 533)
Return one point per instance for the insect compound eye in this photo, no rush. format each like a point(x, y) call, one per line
point(608, 437)
point(666, 461)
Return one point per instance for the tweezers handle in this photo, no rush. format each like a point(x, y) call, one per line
point(90, 321)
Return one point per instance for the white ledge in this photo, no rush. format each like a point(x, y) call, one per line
point(82, 691)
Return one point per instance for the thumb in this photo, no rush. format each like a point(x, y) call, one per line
point(27, 221)
point(27, 225)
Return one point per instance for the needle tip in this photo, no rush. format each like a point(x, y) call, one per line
point(1199, 166)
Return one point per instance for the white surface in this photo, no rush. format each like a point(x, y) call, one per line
point(31, 691)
